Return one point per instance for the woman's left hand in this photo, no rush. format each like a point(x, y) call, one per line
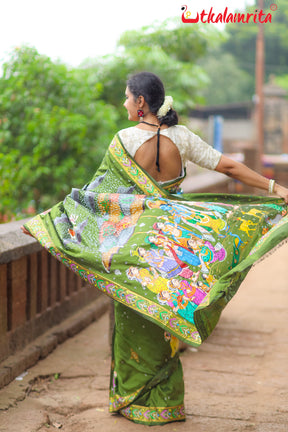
point(25, 231)
point(282, 192)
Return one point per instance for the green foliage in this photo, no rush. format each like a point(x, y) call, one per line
point(228, 83)
point(184, 43)
point(231, 67)
point(56, 123)
point(171, 51)
point(282, 81)
point(181, 80)
point(242, 40)
point(54, 130)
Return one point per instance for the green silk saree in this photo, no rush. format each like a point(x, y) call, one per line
point(171, 262)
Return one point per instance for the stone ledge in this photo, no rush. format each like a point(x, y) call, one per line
point(42, 346)
point(14, 244)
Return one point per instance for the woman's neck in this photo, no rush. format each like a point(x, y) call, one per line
point(152, 121)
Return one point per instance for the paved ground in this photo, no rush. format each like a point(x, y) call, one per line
point(236, 381)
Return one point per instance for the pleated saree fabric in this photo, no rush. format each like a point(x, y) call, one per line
point(171, 262)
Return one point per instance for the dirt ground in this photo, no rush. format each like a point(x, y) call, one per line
point(236, 381)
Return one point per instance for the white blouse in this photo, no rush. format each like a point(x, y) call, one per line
point(191, 147)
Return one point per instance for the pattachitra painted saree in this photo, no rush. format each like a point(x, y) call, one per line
point(171, 262)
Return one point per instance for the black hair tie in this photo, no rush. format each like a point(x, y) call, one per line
point(158, 143)
point(158, 147)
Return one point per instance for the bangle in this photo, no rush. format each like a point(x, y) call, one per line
point(271, 186)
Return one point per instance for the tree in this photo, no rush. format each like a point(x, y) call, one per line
point(242, 40)
point(282, 81)
point(227, 82)
point(231, 65)
point(54, 130)
point(171, 50)
point(56, 123)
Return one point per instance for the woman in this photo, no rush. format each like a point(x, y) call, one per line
point(144, 165)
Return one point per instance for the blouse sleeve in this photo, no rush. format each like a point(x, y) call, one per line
point(199, 152)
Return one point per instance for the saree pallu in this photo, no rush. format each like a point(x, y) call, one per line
point(171, 262)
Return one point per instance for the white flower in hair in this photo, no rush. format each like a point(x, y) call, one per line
point(165, 107)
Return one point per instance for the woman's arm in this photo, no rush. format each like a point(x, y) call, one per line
point(246, 175)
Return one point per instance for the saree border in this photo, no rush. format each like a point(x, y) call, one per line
point(154, 415)
point(117, 402)
point(156, 313)
point(133, 170)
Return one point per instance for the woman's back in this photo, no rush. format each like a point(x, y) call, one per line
point(177, 146)
point(170, 163)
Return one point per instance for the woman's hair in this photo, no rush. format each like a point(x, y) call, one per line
point(150, 86)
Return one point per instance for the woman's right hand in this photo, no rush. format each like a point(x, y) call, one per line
point(282, 192)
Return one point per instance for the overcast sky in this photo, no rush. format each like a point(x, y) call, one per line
point(73, 31)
